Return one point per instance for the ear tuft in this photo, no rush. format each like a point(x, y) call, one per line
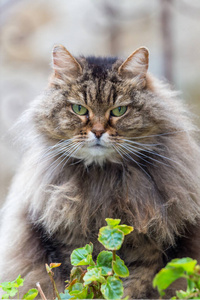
point(64, 64)
point(135, 67)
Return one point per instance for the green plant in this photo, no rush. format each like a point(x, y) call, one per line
point(11, 289)
point(100, 279)
point(180, 268)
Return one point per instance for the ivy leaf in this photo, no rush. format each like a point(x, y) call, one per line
point(111, 238)
point(82, 256)
point(125, 229)
point(113, 288)
point(112, 222)
point(93, 275)
point(104, 260)
point(32, 293)
point(120, 268)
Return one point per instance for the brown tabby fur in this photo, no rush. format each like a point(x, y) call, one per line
point(58, 203)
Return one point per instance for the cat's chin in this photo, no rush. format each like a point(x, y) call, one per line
point(97, 155)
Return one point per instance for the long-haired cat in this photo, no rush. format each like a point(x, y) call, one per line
point(105, 139)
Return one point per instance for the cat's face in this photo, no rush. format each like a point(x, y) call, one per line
point(93, 107)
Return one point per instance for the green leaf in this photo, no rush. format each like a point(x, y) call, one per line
point(112, 289)
point(120, 268)
point(104, 260)
point(65, 295)
point(186, 263)
point(182, 295)
point(19, 281)
point(5, 296)
point(12, 292)
point(89, 248)
point(90, 260)
point(190, 285)
point(48, 269)
point(93, 275)
point(82, 256)
point(80, 294)
point(76, 273)
point(77, 287)
point(32, 293)
point(90, 296)
point(125, 229)
point(9, 288)
point(112, 222)
point(165, 277)
point(111, 238)
point(6, 285)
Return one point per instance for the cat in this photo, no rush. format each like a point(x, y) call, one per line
point(105, 140)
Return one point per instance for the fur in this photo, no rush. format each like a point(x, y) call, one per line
point(141, 167)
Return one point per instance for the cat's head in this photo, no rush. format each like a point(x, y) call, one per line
point(94, 107)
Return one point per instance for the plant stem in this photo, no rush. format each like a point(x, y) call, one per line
point(18, 293)
point(113, 259)
point(55, 290)
point(114, 255)
point(40, 291)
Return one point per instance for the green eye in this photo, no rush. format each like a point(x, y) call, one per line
point(118, 111)
point(79, 109)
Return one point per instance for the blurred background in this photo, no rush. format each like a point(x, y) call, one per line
point(29, 29)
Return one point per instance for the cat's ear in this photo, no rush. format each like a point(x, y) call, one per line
point(135, 67)
point(64, 64)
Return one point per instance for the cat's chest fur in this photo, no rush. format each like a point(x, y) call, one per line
point(82, 197)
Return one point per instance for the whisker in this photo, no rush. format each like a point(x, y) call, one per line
point(79, 146)
point(55, 152)
point(118, 151)
point(160, 134)
point(50, 148)
point(140, 144)
point(138, 164)
point(154, 153)
point(66, 155)
point(136, 154)
point(139, 154)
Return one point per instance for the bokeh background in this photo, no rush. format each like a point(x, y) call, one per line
point(29, 29)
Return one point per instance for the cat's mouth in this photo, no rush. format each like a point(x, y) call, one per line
point(97, 146)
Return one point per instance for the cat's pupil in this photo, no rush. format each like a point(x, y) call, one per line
point(79, 107)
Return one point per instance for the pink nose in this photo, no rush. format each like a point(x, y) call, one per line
point(98, 129)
